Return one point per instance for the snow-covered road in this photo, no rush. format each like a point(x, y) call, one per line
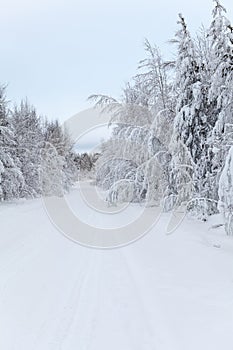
point(163, 292)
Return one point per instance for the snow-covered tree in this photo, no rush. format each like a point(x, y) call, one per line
point(168, 143)
point(137, 136)
point(11, 179)
point(221, 89)
point(184, 147)
point(51, 171)
point(226, 192)
point(193, 126)
point(43, 149)
point(27, 126)
point(60, 140)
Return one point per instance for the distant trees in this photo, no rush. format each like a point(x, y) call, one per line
point(174, 126)
point(85, 163)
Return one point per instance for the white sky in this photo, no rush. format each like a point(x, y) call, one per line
point(59, 52)
point(92, 139)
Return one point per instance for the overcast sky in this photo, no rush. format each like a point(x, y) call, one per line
point(59, 52)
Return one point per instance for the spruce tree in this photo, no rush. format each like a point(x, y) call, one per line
point(184, 147)
point(11, 179)
point(221, 89)
point(27, 127)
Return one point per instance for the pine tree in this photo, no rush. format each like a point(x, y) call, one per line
point(183, 147)
point(11, 179)
point(193, 126)
point(221, 90)
point(27, 127)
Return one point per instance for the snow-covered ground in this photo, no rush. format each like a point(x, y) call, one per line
point(164, 292)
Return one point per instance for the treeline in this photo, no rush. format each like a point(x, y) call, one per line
point(85, 162)
point(172, 142)
point(36, 155)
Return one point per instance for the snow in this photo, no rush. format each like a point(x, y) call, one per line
point(165, 292)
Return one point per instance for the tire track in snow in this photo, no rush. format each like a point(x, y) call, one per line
point(63, 321)
point(71, 310)
point(153, 337)
point(85, 319)
point(123, 313)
